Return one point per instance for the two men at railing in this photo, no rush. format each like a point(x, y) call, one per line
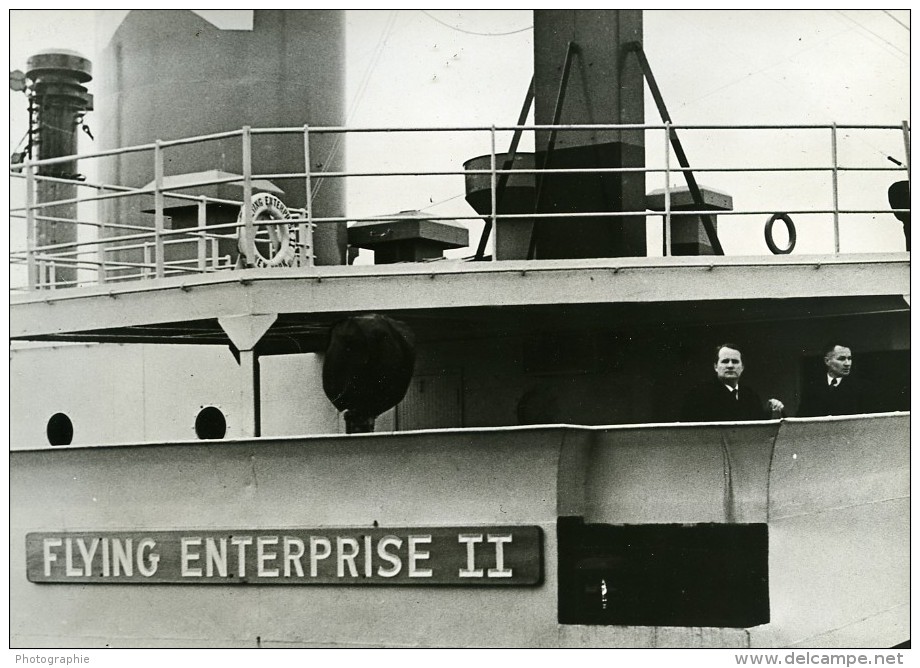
point(724, 398)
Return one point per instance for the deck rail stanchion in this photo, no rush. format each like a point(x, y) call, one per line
point(101, 265)
point(250, 250)
point(305, 235)
point(101, 234)
point(148, 261)
point(202, 249)
point(493, 189)
point(158, 198)
point(666, 236)
point(905, 130)
point(835, 185)
point(31, 227)
point(506, 169)
point(215, 254)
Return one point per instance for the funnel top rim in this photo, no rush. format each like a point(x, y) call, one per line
point(66, 60)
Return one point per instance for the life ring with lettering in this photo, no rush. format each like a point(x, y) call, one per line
point(282, 238)
point(768, 234)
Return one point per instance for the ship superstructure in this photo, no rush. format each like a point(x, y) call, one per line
point(534, 486)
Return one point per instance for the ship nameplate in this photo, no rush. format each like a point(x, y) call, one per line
point(466, 556)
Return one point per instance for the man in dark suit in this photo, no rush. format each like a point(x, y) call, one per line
point(836, 392)
point(723, 398)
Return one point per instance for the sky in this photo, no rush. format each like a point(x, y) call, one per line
point(472, 67)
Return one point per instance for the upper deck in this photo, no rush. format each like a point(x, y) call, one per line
point(163, 266)
point(456, 297)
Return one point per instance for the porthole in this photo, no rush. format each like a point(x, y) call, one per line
point(60, 430)
point(210, 423)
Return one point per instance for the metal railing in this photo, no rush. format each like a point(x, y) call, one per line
point(120, 250)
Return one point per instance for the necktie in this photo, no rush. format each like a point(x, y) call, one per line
point(735, 394)
point(834, 383)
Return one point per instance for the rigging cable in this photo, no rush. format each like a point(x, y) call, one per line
point(896, 20)
point(359, 94)
point(378, 52)
point(767, 67)
point(871, 32)
point(763, 72)
point(472, 32)
point(443, 201)
point(21, 141)
point(385, 35)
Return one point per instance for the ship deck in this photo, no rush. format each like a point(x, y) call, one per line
point(448, 298)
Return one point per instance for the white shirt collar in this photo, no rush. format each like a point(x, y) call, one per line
point(831, 379)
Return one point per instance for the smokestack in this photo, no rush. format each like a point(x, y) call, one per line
point(58, 102)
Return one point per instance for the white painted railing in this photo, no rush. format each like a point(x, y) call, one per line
point(102, 258)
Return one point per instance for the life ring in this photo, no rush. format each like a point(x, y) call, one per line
point(768, 234)
point(266, 206)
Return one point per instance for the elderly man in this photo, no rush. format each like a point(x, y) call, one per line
point(723, 398)
point(835, 392)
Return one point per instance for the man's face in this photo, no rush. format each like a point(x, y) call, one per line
point(838, 362)
point(729, 367)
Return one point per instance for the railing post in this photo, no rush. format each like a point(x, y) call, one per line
point(250, 250)
point(905, 128)
point(31, 227)
point(493, 190)
point(52, 274)
point(158, 208)
point(835, 187)
point(305, 232)
point(100, 252)
point(145, 272)
point(202, 241)
point(666, 236)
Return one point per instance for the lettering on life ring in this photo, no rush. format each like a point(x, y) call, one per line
point(768, 234)
point(282, 238)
